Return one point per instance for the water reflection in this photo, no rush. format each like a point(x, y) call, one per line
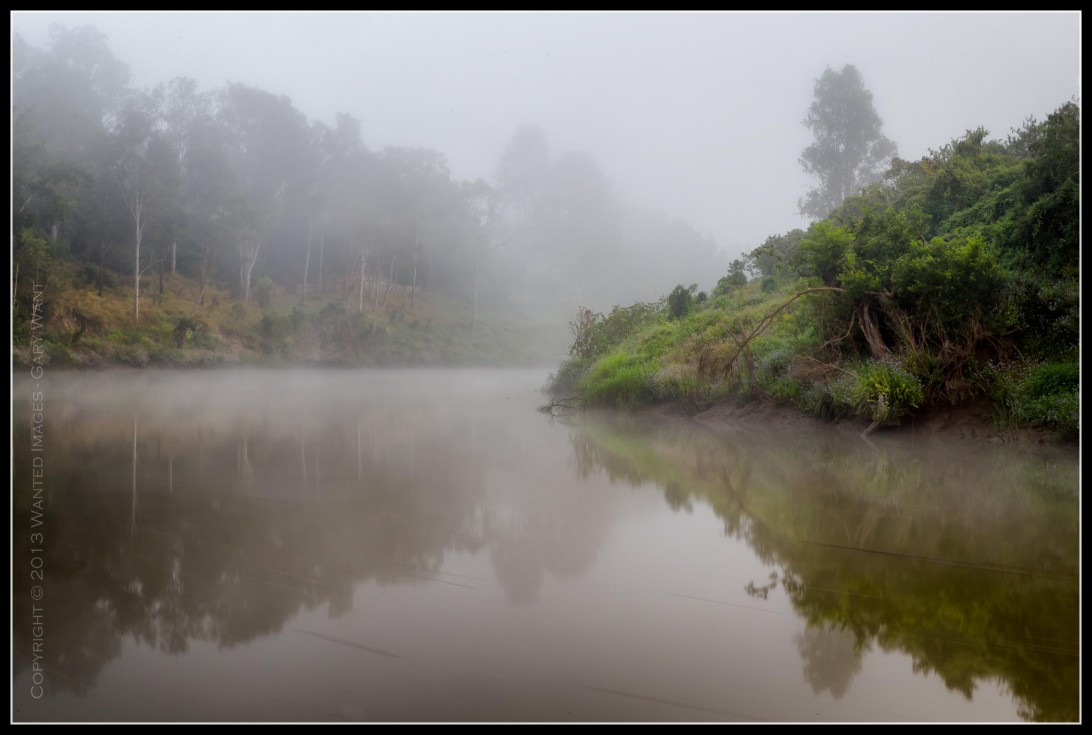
point(180, 513)
point(216, 511)
point(832, 657)
point(965, 557)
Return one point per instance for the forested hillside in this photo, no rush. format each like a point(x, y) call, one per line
point(955, 278)
point(180, 225)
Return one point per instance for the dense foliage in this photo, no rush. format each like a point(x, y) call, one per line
point(953, 278)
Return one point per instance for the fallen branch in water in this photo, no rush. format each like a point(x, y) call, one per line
point(563, 406)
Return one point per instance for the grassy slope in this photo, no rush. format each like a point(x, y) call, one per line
point(691, 360)
point(85, 329)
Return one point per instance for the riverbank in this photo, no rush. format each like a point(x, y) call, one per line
point(78, 327)
point(972, 422)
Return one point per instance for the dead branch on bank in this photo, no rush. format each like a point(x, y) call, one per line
point(563, 407)
point(763, 324)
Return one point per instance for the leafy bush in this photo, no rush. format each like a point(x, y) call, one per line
point(1046, 396)
point(950, 278)
point(884, 391)
point(264, 289)
point(823, 249)
point(1052, 378)
point(735, 279)
point(679, 302)
point(275, 327)
point(595, 334)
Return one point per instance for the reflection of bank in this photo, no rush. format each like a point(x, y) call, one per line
point(186, 520)
point(174, 530)
point(550, 527)
point(965, 560)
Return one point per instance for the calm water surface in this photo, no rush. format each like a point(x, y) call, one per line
point(424, 546)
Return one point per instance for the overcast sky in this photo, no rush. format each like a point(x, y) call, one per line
point(698, 115)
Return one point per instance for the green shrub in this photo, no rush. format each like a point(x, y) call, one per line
point(1052, 378)
point(885, 391)
point(595, 334)
point(679, 302)
point(823, 248)
point(275, 327)
point(1046, 396)
point(264, 289)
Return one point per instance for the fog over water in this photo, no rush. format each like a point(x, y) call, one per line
point(423, 545)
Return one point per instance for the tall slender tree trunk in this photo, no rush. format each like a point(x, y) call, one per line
point(390, 280)
point(413, 292)
point(376, 286)
point(250, 247)
point(136, 263)
point(364, 261)
point(307, 261)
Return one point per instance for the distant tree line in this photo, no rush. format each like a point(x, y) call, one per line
point(234, 185)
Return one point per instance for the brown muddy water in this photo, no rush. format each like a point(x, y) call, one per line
point(422, 545)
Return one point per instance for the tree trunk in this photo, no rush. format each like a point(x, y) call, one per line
point(136, 264)
point(413, 292)
point(249, 248)
point(375, 307)
point(307, 261)
point(363, 263)
point(200, 294)
point(390, 280)
point(872, 333)
point(174, 256)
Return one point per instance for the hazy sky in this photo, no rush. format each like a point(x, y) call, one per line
point(695, 114)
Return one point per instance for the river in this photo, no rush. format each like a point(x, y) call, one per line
point(423, 546)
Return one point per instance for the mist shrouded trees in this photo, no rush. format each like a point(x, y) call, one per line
point(573, 240)
point(955, 278)
point(850, 149)
point(233, 186)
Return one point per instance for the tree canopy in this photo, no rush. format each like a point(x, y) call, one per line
point(850, 149)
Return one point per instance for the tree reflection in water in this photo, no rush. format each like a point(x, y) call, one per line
point(964, 557)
